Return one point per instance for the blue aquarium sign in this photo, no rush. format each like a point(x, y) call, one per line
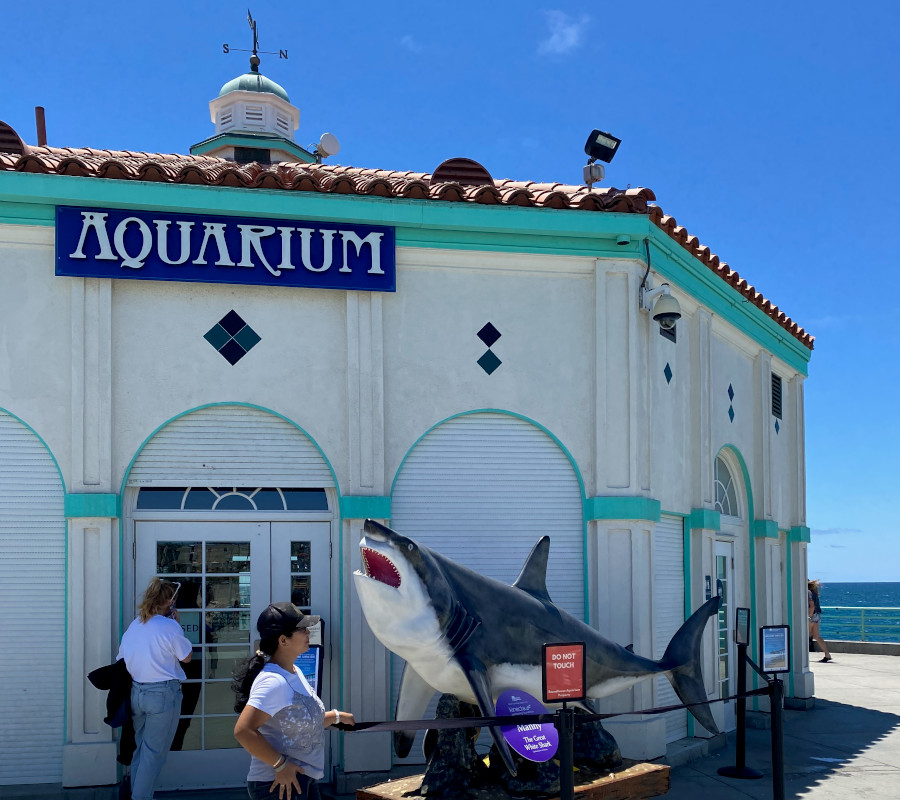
point(111, 243)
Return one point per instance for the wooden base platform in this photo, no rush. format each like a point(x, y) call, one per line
point(628, 783)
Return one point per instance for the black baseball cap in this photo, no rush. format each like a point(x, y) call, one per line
point(284, 618)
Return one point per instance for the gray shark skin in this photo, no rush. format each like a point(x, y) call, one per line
point(465, 634)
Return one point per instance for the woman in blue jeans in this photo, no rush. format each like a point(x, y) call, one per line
point(154, 647)
point(282, 722)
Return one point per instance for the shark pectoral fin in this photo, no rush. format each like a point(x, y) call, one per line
point(476, 674)
point(412, 701)
point(533, 577)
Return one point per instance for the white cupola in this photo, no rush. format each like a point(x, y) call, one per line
point(254, 121)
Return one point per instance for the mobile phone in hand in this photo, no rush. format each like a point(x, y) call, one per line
point(171, 611)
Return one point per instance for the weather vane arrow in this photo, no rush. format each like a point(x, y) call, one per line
point(226, 48)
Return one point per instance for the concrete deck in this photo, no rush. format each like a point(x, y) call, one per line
point(847, 745)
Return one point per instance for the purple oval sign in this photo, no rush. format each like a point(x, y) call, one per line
point(534, 742)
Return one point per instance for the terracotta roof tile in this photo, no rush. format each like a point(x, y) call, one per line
point(332, 178)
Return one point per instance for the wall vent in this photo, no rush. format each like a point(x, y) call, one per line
point(226, 116)
point(254, 114)
point(463, 171)
point(282, 123)
point(10, 141)
point(776, 396)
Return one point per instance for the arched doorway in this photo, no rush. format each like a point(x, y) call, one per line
point(482, 488)
point(729, 568)
point(236, 504)
point(32, 576)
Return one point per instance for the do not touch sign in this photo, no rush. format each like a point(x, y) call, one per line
point(564, 672)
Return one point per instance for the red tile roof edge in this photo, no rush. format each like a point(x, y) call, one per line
point(331, 178)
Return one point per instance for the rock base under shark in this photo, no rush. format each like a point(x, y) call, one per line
point(455, 771)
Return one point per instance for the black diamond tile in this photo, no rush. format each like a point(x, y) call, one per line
point(668, 373)
point(730, 392)
point(232, 322)
point(232, 352)
point(777, 427)
point(489, 362)
point(731, 413)
point(488, 334)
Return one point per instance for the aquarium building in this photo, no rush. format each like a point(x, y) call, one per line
point(215, 365)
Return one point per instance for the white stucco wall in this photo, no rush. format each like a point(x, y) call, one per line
point(96, 366)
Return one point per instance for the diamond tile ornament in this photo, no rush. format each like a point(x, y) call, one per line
point(730, 392)
point(488, 334)
point(489, 362)
point(777, 427)
point(731, 413)
point(232, 337)
point(668, 373)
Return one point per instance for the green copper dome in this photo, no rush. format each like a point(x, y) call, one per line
point(253, 82)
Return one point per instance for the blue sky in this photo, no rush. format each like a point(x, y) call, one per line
point(772, 133)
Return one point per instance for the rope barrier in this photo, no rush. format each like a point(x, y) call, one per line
point(524, 719)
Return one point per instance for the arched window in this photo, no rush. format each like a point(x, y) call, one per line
point(726, 497)
point(230, 498)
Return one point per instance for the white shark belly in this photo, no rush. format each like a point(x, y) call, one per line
point(615, 685)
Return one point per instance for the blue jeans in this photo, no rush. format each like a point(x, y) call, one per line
point(259, 790)
point(155, 708)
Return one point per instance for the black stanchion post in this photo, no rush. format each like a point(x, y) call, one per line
point(565, 724)
point(740, 769)
point(777, 697)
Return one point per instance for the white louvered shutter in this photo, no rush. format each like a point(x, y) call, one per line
point(32, 586)
point(235, 444)
point(482, 489)
point(668, 612)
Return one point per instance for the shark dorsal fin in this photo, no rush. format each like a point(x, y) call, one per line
point(533, 577)
point(630, 648)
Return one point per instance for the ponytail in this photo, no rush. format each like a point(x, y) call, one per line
point(246, 671)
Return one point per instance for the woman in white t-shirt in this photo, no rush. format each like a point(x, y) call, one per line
point(154, 647)
point(282, 722)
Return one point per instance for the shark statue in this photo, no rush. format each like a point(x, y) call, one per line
point(464, 634)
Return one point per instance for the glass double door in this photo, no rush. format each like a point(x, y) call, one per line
point(229, 572)
point(726, 655)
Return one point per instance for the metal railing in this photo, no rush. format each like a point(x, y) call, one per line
point(861, 623)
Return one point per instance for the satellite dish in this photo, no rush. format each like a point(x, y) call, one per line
point(328, 145)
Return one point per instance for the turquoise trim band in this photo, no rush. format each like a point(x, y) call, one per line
point(705, 518)
point(252, 140)
point(92, 505)
point(765, 529)
point(644, 508)
point(365, 506)
point(799, 533)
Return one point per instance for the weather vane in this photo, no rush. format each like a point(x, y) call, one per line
point(255, 58)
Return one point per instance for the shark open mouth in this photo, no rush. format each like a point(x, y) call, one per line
point(379, 567)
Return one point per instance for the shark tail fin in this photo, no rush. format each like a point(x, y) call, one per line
point(682, 661)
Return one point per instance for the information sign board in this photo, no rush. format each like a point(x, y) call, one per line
point(774, 649)
point(535, 742)
point(563, 672)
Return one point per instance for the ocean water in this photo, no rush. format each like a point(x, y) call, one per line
point(880, 626)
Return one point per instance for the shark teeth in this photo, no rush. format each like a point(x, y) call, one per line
point(379, 567)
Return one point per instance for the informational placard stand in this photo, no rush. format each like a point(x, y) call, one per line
point(563, 677)
point(742, 640)
point(775, 653)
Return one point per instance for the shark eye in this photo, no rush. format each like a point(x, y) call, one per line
point(410, 546)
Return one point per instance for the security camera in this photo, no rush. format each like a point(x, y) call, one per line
point(666, 311)
point(663, 308)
